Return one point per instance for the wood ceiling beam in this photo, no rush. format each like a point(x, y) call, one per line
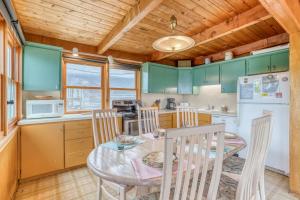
point(84, 48)
point(287, 13)
point(134, 16)
point(236, 23)
point(282, 38)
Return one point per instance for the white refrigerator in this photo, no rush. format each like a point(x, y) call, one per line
point(267, 92)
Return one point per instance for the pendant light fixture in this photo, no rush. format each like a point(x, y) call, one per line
point(173, 43)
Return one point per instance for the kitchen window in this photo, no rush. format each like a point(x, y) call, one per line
point(11, 58)
point(123, 84)
point(11, 83)
point(83, 87)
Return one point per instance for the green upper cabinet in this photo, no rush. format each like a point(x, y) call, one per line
point(258, 64)
point(41, 67)
point(185, 80)
point(280, 61)
point(158, 78)
point(212, 74)
point(198, 78)
point(229, 73)
point(156, 83)
point(170, 80)
point(270, 62)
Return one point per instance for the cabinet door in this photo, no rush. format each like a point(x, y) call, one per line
point(212, 75)
point(170, 77)
point(41, 69)
point(230, 72)
point(156, 80)
point(185, 81)
point(145, 78)
point(258, 65)
point(280, 62)
point(198, 79)
point(42, 149)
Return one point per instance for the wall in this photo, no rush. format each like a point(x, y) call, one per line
point(208, 95)
point(8, 165)
point(148, 99)
point(211, 95)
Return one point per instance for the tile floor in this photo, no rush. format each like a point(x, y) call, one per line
point(80, 184)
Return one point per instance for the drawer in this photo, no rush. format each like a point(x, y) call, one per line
point(165, 117)
point(203, 123)
point(166, 124)
point(71, 134)
point(76, 158)
point(72, 146)
point(204, 117)
point(78, 125)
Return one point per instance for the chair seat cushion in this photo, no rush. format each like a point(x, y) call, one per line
point(226, 191)
point(227, 187)
point(233, 165)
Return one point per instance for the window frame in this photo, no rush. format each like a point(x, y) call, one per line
point(65, 87)
point(136, 85)
point(13, 77)
point(9, 39)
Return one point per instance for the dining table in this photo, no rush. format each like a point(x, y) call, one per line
point(119, 166)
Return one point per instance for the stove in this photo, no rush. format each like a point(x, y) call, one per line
point(128, 108)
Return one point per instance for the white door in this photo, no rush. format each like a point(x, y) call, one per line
point(278, 153)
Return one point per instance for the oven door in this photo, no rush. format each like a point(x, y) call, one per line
point(131, 127)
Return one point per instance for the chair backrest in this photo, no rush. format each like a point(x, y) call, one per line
point(105, 125)
point(187, 117)
point(147, 119)
point(253, 171)
point(193, 162)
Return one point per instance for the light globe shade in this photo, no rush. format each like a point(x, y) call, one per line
point(173, 43)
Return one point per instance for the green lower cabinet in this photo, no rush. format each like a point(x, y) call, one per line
point(198, 79)
point(212, 74)
point(258, 65)
point(280, 61)
point(41, 67)
point(229, 74)
point(185, 81)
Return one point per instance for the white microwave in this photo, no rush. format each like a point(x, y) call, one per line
point(44, 108)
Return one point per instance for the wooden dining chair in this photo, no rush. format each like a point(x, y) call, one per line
point(251, 179)
point(186, 177)
point(148, 119)
point(186, 117)
point(105, 127)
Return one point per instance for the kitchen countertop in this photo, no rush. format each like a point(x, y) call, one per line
point(212, 112)
point(64, 118)
point(73, 117)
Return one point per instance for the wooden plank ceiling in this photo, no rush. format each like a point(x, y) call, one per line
point(91, 22)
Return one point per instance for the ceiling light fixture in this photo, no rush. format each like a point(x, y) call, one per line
point(75, 52)
point(173, 43)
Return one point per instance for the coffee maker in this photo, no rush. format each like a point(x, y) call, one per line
point(171, 105)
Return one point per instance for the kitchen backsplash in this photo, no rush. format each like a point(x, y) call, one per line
point(208, 95)
point(211, 95)
point(148, 99)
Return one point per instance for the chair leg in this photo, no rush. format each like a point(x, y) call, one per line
point(261, 187)
point(122, 192)
point(99, 194)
